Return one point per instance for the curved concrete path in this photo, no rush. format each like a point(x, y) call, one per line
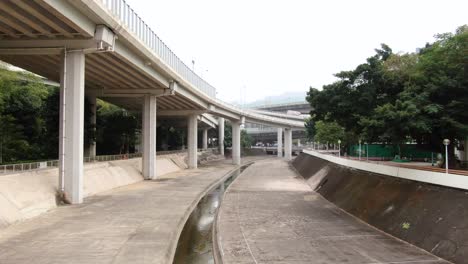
point(138, 223)
point(270, 215)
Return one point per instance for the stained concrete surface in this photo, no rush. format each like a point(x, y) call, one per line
point(270, 215)
point(426, 215)
point(27, 194)
point(138, 223)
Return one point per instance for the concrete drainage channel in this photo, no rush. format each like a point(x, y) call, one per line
point(195, 244)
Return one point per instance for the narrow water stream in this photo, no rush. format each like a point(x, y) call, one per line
point(195, 243)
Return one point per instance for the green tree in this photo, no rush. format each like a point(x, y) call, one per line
point(310, 128)
point(116, 129)
point(246, 139)
point(349, 99)
point(227, 135)
point(328, 132)
point(440, 87)
point(21, 100)
point(395, 98)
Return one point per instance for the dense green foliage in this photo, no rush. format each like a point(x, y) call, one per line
point(21, 107)
point(116, 129)
point(328, 132)
point(396, 98)
point(29, 123)
point(29, 118)
point(309, 125)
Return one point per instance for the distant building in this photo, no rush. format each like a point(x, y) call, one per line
point(290, 104)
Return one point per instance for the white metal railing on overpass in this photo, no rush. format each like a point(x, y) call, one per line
point(121, 10)
point(259, 130)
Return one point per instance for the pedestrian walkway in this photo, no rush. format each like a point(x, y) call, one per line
point(138, 223)
point(270, 215)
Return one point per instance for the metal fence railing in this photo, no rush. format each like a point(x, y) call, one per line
point(29, 166)
point(19, 167)
point(112, 157)
point(122, 11)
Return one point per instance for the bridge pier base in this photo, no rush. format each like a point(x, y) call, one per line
point(280, 142)
point(192, 138)
point(288, 143)
point(72, 126)
point(149, 137)
point(236, 149)
point(221, 135)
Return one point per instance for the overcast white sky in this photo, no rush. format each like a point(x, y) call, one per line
point(249, 49)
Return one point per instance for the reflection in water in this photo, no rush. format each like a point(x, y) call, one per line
point(195, 242)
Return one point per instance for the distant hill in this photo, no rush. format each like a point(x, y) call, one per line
point(288, 97)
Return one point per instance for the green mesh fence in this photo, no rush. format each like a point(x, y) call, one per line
point(388, 152)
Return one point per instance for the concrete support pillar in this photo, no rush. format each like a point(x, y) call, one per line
point(149, 137)
point(288, 143)
point(72, 126)
point(221, 135)
point(61, 163)
point(280, 142)
point(192, 143)
point(205, 139)
point(92, 143)
point(236, 148)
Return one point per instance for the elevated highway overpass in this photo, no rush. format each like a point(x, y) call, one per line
point(269, 134)
point(102, 48)
point(302, 107)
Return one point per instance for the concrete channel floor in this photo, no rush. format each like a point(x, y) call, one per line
point(137, 223)
point(270, 215)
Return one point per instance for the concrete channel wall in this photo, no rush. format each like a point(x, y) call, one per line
point(31, 193)
point(430, 216)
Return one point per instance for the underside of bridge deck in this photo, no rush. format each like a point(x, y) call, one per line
point(92, 50)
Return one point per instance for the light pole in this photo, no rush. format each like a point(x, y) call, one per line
point(339, 148)
point(359, 149)
point(446, 143)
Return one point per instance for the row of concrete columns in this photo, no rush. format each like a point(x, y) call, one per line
point(287, 143)
point(72, 93)
point(72, 131)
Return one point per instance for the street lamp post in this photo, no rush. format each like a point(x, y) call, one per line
point(359, 149)
point(446, 143)
point(339, 148)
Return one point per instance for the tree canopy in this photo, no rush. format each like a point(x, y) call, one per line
point(29, 118)
point(328, 132)
point(400, 97)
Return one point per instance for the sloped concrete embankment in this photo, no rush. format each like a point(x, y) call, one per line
point(29, 194)
point(429, 216)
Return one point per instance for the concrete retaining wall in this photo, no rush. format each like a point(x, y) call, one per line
point(427, 215)
point(28, 194)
